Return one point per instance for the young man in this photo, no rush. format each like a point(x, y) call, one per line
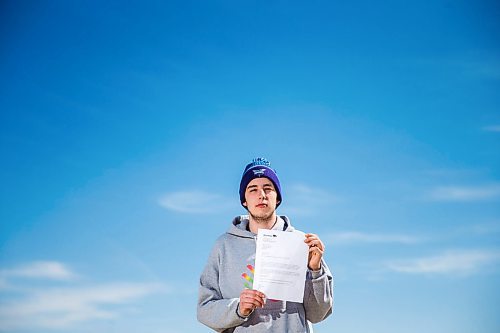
point(226, 302)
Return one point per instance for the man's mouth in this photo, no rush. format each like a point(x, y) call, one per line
point(261, 205)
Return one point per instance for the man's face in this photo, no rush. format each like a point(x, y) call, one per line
point(261, 198)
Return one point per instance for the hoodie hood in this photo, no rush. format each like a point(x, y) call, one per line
point(239, 226)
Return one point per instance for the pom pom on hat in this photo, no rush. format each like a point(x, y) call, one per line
point(259, 167)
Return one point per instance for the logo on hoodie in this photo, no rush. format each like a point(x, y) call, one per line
point(248, 279)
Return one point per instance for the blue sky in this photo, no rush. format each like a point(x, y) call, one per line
point(125, 129)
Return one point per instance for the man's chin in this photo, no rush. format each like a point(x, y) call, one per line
point(262, 218)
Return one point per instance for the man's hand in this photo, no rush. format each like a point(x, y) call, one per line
point(316, 250)
point(250, 300)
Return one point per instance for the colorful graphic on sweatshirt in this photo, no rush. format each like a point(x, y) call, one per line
point(249, 278)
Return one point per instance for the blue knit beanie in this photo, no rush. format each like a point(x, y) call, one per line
point(259, 167)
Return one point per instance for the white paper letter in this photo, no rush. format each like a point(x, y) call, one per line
point(281, 264)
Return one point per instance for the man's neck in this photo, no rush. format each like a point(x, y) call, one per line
point(255, 224)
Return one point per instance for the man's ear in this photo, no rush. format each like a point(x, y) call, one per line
point(245, 204)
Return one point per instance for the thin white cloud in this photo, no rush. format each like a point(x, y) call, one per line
point(354, 237)
point(486, 228)
point(492, 128)
point(40, 307)
point(66, 306)
point(306, 200)
point(195, 202)
point(465, 193)
point(3, 283)
point(449, 173)
point(450, 262)
point(490, 70)
point(41, 270)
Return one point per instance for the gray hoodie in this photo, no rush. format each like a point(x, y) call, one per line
point(229, 270)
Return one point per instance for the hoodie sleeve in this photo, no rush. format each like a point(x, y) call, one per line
point(318, 294)
point(214, 311)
